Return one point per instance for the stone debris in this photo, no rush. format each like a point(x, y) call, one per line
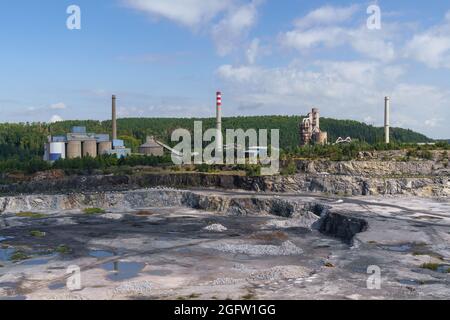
point(113, 216)
point(286, 249)
point(225, 282)
point(134, 288)
point(216, 228)
point(280, 273)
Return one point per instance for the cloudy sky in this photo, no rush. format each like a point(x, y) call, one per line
point(168, 57)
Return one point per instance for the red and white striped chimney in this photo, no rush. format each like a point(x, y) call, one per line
point(219, 121)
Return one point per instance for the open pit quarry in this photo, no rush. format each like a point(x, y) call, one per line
point(367, 229)
point(163, 243)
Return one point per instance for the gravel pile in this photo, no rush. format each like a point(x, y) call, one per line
point(225, 282)
point(216, 228)
point(280, 273)
point(286, 249)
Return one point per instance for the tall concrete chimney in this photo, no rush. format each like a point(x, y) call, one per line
point(387, 125)
point(114, 118)
point(219, 121)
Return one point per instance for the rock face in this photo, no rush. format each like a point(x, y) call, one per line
point(374, 177)
point(341, 225)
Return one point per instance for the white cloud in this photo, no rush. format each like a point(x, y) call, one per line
point(327, 15)
point(234, 27)
point(253, 51)
point(432, 47)
point(229, 21)
point(191, 13)
point(344, 90)
point(322, 28)
point(58, 106)
point(55, 118)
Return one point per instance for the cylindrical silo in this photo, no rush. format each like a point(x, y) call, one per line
point(73, 149)
point(104, 147)
point(57, 151)
point(90, 148)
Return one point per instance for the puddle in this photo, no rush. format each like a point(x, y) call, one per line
point(9, 285)
point(120, 271)
point(398, 248)
point(5, 254)
point(36, 262)
point(100, 254)
point(410, 282)
point(57, 286)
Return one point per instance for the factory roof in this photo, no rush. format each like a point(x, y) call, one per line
point(151, 143)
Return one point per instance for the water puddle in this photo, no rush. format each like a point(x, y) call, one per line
point(37, 262)
point(56, 286)
point(120, 271)
point(399, 248)
point(6, 253)
point(5, 238)
point(101, 254)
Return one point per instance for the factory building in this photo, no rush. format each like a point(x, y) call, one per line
point(79, 143)
point(151, 148)
point(310, 132)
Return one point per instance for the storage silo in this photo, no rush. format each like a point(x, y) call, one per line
point(104, 147)
point(90, 148)
point(57, 151)
point(73, 149)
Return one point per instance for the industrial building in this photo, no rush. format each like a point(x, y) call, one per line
point(310, 132)
point(79, 143)
point(151, 148)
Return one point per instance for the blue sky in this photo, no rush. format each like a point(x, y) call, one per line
point(168, 57)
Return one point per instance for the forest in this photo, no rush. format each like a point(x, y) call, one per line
point(21, 145)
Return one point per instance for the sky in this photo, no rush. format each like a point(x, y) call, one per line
point(167, 58)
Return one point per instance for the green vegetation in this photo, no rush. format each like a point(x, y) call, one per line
point(37, 234)
point(32, 215)
point(19, 256)
point(93, 211)
point(21, 145)
point(63, 249)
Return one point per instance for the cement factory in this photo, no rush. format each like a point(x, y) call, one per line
point(79, 143)
point(310, 130)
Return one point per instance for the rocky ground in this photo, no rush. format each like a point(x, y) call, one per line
point(216, 244)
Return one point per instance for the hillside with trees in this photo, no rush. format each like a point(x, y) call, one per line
point(25, 141)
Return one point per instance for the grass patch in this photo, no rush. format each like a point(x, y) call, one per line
point(94, 211)
point(63, 249)
point(430, 266)
point(33, 215)
point(37, 234)
point(19, 256)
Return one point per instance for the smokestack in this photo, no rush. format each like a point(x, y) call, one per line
point(219, 121)
point(387, 111)
point(114, 118)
